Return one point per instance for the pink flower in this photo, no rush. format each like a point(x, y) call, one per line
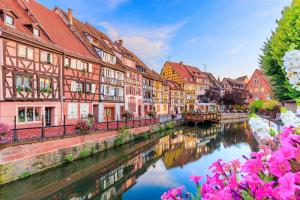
point(253, 181)
point(287, 151)
point(286, 186)
point(232, 182)
point(217, 167)
point(196, 179)
point(264, 191)
point(278, 165)
point(252, 166)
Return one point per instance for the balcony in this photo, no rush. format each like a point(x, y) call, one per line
point(111, 98)
point(111, 81)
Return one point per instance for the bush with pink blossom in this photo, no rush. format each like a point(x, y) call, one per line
point(3, 128)
point(267, 174)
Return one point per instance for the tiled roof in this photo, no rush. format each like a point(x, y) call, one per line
point(21, 21)
point(57, 29)
point(242, 78)
point(233, 82)
point(182, 71)
point(80, 28)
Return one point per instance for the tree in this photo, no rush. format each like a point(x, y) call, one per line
point(236, 97)
point(285, 38)
point(212, 95)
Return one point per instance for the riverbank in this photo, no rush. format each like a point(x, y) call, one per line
point(21, 161)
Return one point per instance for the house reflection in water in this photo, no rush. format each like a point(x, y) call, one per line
point(111, 177)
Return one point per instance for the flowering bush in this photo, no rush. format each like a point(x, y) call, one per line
point(291, 62)
point(264, 175)
point(3, 128)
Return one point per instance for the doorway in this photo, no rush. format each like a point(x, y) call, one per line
point(48, 116)
point(140, 110)
point(96, 112)
point(109, 114)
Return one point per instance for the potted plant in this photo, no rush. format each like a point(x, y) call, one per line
point(151, 114)
point(82, 127)
point(127, 114)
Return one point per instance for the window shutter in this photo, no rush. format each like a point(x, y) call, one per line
point(73, 86)
point(22, 51)
point(73, 64)
point(93, 88)
point(30, 53)
point(90, 68)
point(72, 111)
point(43, 56)
point(84, 110)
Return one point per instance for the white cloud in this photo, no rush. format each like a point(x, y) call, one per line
point(237, 49)
point(158, 176)
point(150, 43)
point(112, 4)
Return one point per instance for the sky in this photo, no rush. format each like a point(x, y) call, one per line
point(224, 35)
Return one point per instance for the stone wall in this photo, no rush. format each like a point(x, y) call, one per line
point(18, 162)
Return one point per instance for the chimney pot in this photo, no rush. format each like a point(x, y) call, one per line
point(181, 63)
point(70, 15)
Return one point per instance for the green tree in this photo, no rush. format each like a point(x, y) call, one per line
point(286, 37)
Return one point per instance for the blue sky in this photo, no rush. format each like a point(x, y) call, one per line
point(226, 35)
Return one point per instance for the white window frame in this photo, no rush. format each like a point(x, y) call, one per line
point(8, 17)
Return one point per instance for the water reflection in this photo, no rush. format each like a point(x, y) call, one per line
point(119, 174)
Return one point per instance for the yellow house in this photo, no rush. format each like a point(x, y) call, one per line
point(193, 81)
point(161, 95)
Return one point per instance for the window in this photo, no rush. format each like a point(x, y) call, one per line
point(84, 110)
point(79, 87)
point(9, 20)
point(256, 81)
point(29, 114)
point(165, 107)
point(22, 82)
point(46, 57)
point(25, 52)
point(36, 32)
point(67, 62)
point(88, 88)
point(45, 85)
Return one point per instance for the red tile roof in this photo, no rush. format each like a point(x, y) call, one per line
point(21, 21)
point(182, 71)
point(57, 29)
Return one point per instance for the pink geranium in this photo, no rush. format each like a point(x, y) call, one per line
point(252, 166)
point(286, 186)
point(278, 165)
point(195, 179)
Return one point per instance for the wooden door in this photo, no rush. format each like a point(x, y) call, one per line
point(96, 112)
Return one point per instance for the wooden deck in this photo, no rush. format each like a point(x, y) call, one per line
point(202, 117)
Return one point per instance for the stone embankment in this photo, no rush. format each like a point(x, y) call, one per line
point(23, 160)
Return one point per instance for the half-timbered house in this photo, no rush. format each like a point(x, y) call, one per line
point(112, 75)
point(133, 79)
point(80, 70)
point(29, 69)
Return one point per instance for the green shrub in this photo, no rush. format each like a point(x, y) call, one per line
point(161, 128)
point(169, 125)
point(25, 175)
point(69, 158)
point(84, 153)
point(270, 105)
point(93, 149)
point(123, 133)
point(256, 106)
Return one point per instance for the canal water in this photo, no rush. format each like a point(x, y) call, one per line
point(139, 170)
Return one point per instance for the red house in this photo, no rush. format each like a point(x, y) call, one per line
point(259, 87)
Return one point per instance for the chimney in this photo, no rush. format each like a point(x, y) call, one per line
point(181, 63)
point(120, 41)
point(70, 15)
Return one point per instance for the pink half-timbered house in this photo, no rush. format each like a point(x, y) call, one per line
point(80, 71)
point(29, 69)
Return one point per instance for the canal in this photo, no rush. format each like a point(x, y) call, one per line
point(142, 169)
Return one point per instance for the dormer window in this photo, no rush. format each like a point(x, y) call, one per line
point(9, 20)
point(36, 32)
